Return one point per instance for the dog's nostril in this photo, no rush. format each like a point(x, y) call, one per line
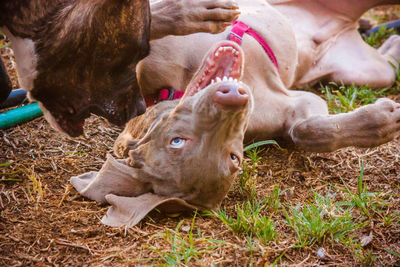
point(241, 91)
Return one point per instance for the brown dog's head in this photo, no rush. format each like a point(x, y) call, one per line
point(86, 53)
point(194, 150)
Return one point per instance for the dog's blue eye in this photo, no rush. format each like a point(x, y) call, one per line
point(235, 159)
point(178, 142)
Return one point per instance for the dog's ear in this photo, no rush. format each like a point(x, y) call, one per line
point(128, 211)
point(115, 177)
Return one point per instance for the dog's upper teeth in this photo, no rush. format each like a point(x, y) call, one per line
point(237, 53)
point(217, 54)
point(225, 79)
point(230, 79)
point(218, 79)
point(212, 81)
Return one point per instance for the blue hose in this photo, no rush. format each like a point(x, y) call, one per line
point(389, 25)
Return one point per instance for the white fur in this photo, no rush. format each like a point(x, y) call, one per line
point(24, 51)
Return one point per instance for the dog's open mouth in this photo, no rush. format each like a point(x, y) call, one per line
point(223, 64)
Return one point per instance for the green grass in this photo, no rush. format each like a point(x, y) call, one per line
point(376, 39)
point(315, 221)
point(250, 221)
point(185, 248)
point(368, 202)
point(343, 98)
point(248, 176)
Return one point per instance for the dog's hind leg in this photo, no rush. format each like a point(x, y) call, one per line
point(368, 126)
point(352, 61)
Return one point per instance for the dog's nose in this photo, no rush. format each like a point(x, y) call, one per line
point(231, 95)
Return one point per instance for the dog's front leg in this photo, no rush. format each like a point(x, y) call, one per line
point(368, 126)
point(182, 17)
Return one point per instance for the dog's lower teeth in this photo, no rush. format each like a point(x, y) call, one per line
point(218, 79)
point(230, 79)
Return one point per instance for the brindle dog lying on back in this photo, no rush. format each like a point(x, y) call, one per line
point(77, 57)
point(182, 154)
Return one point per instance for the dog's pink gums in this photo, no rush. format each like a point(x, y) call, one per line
point(224, 63)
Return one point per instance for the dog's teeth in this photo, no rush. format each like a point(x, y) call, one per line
point(235, 80)
point(212, 81)
point(237, 53)
point(234, 51)
point(217, 54)
point(218, 79)
point(230, 79)
point(225, 79)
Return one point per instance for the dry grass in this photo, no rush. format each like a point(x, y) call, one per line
point(43, 221)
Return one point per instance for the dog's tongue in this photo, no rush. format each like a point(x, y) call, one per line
point(224, 63)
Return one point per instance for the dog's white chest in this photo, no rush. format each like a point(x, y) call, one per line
point(25, 56)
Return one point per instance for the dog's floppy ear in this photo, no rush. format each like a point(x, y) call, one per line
point(128, 211)
point(115, 177)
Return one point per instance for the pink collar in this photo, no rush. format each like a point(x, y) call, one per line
point(163, 94)
point(240, 28)
point(236, 35)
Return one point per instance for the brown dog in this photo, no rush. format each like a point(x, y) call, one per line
point(186, 154)
point(77, 57)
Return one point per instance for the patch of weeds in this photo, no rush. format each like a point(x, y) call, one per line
point(250, 221)
point(185, 247)
point(272, 201)
point(365, 257)
point(347, 98)
point(396, 87)
point(364, 200)
point(251, 248)
point(247, 181)
point(36, 189)
point(376, 39)
point(247, 178)
point(315, 221)
point(388, 220)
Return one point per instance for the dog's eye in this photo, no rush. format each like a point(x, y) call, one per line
point(235, 159)
point(178, 142)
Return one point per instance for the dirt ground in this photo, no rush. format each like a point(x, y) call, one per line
point(43, 221)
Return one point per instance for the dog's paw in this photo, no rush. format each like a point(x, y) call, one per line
point(380, 122)
point(391, 48)
point(123, 144)
point(183, 17)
